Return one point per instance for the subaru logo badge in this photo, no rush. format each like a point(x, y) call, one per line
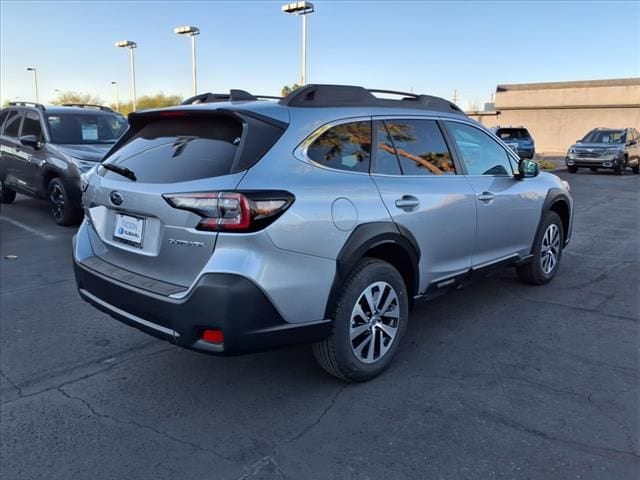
point(116, 198)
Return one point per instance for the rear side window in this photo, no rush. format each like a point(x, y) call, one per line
point(420, 147)
point(169, 150)
point(12, 125)
point(32, 125)
point(3, 116)
point(344, 147)
point(513, 134)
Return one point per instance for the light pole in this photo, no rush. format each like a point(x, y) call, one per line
point(35, 80)
point(130, 45)
point(191, 32)
point(117, 96)
point(303, 9)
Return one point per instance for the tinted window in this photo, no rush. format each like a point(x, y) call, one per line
point(12, 125)
point(84, 128)
point(345, 147)
point(513, 134)
point(386, 159)
point(480, 153)
point(420, 147)
point(31, 125)
point(180, 149)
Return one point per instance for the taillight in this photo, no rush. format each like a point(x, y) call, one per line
point(233, 211)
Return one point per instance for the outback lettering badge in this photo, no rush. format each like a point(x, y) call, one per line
point(185, 243)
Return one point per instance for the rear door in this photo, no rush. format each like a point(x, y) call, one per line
point(508, 209)
point(134, 227)
point(420, 186)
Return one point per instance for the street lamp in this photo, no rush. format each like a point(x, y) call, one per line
point(303, 9)
point(191, 32)
point(35, 80)
point(117, 96)
point(130, 45)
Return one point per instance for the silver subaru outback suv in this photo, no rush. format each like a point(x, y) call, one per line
point(233, 224)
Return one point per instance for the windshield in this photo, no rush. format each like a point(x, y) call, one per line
point(83, 128)
point(513, 134)
point(605, 136)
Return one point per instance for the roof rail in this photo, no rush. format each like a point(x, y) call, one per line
point(355, 96)
point(88, 105)
point(233, 96)
point(27, 104)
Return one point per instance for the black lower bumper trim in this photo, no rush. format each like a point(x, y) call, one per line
point(226, 302)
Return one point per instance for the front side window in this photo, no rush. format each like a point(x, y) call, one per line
point(32, 126)
point(420, 147)
point(344, 147)
point(480, 153)
point(12, 125)
point(83, 128)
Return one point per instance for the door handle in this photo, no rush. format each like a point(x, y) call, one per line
point(407, 202)
point(486, 197)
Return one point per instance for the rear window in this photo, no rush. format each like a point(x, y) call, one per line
point(170, 150)
point(513, 134)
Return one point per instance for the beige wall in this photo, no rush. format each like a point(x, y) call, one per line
point(557, 114)
point(556, 130)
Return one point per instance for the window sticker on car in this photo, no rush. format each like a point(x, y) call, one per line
point(90, 132)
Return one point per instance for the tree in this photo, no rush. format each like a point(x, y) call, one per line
point(159, 100)
point(286, 90)
point(70, 96)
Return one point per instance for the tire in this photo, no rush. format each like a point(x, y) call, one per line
point(593, 169)
point(347, 353)
point(636, 169)
point(63, 212)
point(6, 194)
point(572, 169)
point(620, 166)
point(538, 271)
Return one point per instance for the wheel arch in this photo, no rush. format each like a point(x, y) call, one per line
point(382, 240)
point(558, 201)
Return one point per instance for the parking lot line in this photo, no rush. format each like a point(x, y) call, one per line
point(46, 236)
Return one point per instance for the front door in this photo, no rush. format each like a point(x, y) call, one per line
point(417, 179)
point(508, 209)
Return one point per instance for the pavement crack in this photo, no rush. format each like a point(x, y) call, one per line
point(261, 464)
point(313, 424)
point(139, 425)
point(83, 377)
point(510, 423)
point(13, 384)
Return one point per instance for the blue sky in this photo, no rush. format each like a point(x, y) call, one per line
point(430, 47)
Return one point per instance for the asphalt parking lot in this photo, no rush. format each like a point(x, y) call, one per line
point(499, 380)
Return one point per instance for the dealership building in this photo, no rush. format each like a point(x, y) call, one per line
point(557, 114)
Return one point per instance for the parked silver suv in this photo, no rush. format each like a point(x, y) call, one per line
point(239, 224)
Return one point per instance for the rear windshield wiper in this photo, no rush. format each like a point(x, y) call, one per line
point(125, 172)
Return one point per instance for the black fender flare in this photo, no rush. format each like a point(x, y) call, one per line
point(366, 237)
point(554, 195)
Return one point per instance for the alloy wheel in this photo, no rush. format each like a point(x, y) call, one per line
point(374, 322)
point(550, 251)
point(56, 196)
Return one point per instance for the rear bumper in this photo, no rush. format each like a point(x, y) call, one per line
point(227, 302)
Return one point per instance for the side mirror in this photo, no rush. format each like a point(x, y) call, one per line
point(528, 169)
point(30, 141)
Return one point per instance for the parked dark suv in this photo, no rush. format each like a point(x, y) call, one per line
point(44, 150)
point(609, 148)
point(518, 139)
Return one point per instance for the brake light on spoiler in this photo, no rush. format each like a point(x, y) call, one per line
point(233, 211)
